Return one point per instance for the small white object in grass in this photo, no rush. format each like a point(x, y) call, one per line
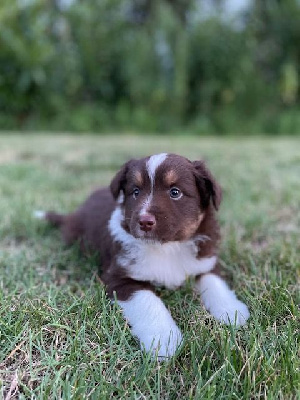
point(39, 214)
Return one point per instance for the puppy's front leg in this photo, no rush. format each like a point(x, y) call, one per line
point(220, 301)
point(152, 323)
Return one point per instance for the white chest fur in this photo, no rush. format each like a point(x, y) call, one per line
point(166, 264)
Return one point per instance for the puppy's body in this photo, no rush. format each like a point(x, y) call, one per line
point(155, 226)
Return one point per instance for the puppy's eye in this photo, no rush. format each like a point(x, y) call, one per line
point(135, 193)
point(175, 193)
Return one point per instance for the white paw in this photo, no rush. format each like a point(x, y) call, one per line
point(152, 323)
point(232, 312)
point(220, 301)
point(164, 343)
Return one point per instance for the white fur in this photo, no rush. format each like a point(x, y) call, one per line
point(146, 204)
point(39, 214)
point(167, 264)
point(153, 163)
point(120, 198)
point(152, 323)
point(220, 301)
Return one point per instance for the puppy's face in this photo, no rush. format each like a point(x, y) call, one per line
point(164, 197)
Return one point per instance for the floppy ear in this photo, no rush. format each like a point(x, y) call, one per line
point(118, 182)
point(208, 187)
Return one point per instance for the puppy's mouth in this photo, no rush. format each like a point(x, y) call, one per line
point(151, 236)
point(148, 235)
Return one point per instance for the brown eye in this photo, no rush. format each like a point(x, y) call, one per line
point(135, 193)
point(175, 193)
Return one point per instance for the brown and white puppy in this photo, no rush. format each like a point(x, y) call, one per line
point(155, 226)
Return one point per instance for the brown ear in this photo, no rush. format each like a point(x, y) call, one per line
point(118, 182)
point(208, 187)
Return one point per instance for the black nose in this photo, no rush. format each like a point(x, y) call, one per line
point(147, 222)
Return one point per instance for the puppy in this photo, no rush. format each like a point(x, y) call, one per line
point(155, 226)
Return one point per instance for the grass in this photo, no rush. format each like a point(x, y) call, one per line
point(60, 338)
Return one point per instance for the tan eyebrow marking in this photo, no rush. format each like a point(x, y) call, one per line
point(170, 177)
point(137, 176)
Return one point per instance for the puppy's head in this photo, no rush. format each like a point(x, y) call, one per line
point(164, 197)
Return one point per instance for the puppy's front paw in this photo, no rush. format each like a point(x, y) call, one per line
point(163, 342)
point(232, 312)
point(152, 323)
point(220, 301)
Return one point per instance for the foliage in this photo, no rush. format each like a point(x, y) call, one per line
point(98, 65)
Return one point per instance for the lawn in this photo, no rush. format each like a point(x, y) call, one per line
point(60, 338)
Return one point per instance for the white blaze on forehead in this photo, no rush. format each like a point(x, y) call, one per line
point(153, 163)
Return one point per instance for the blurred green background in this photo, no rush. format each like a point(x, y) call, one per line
point(150, 66)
